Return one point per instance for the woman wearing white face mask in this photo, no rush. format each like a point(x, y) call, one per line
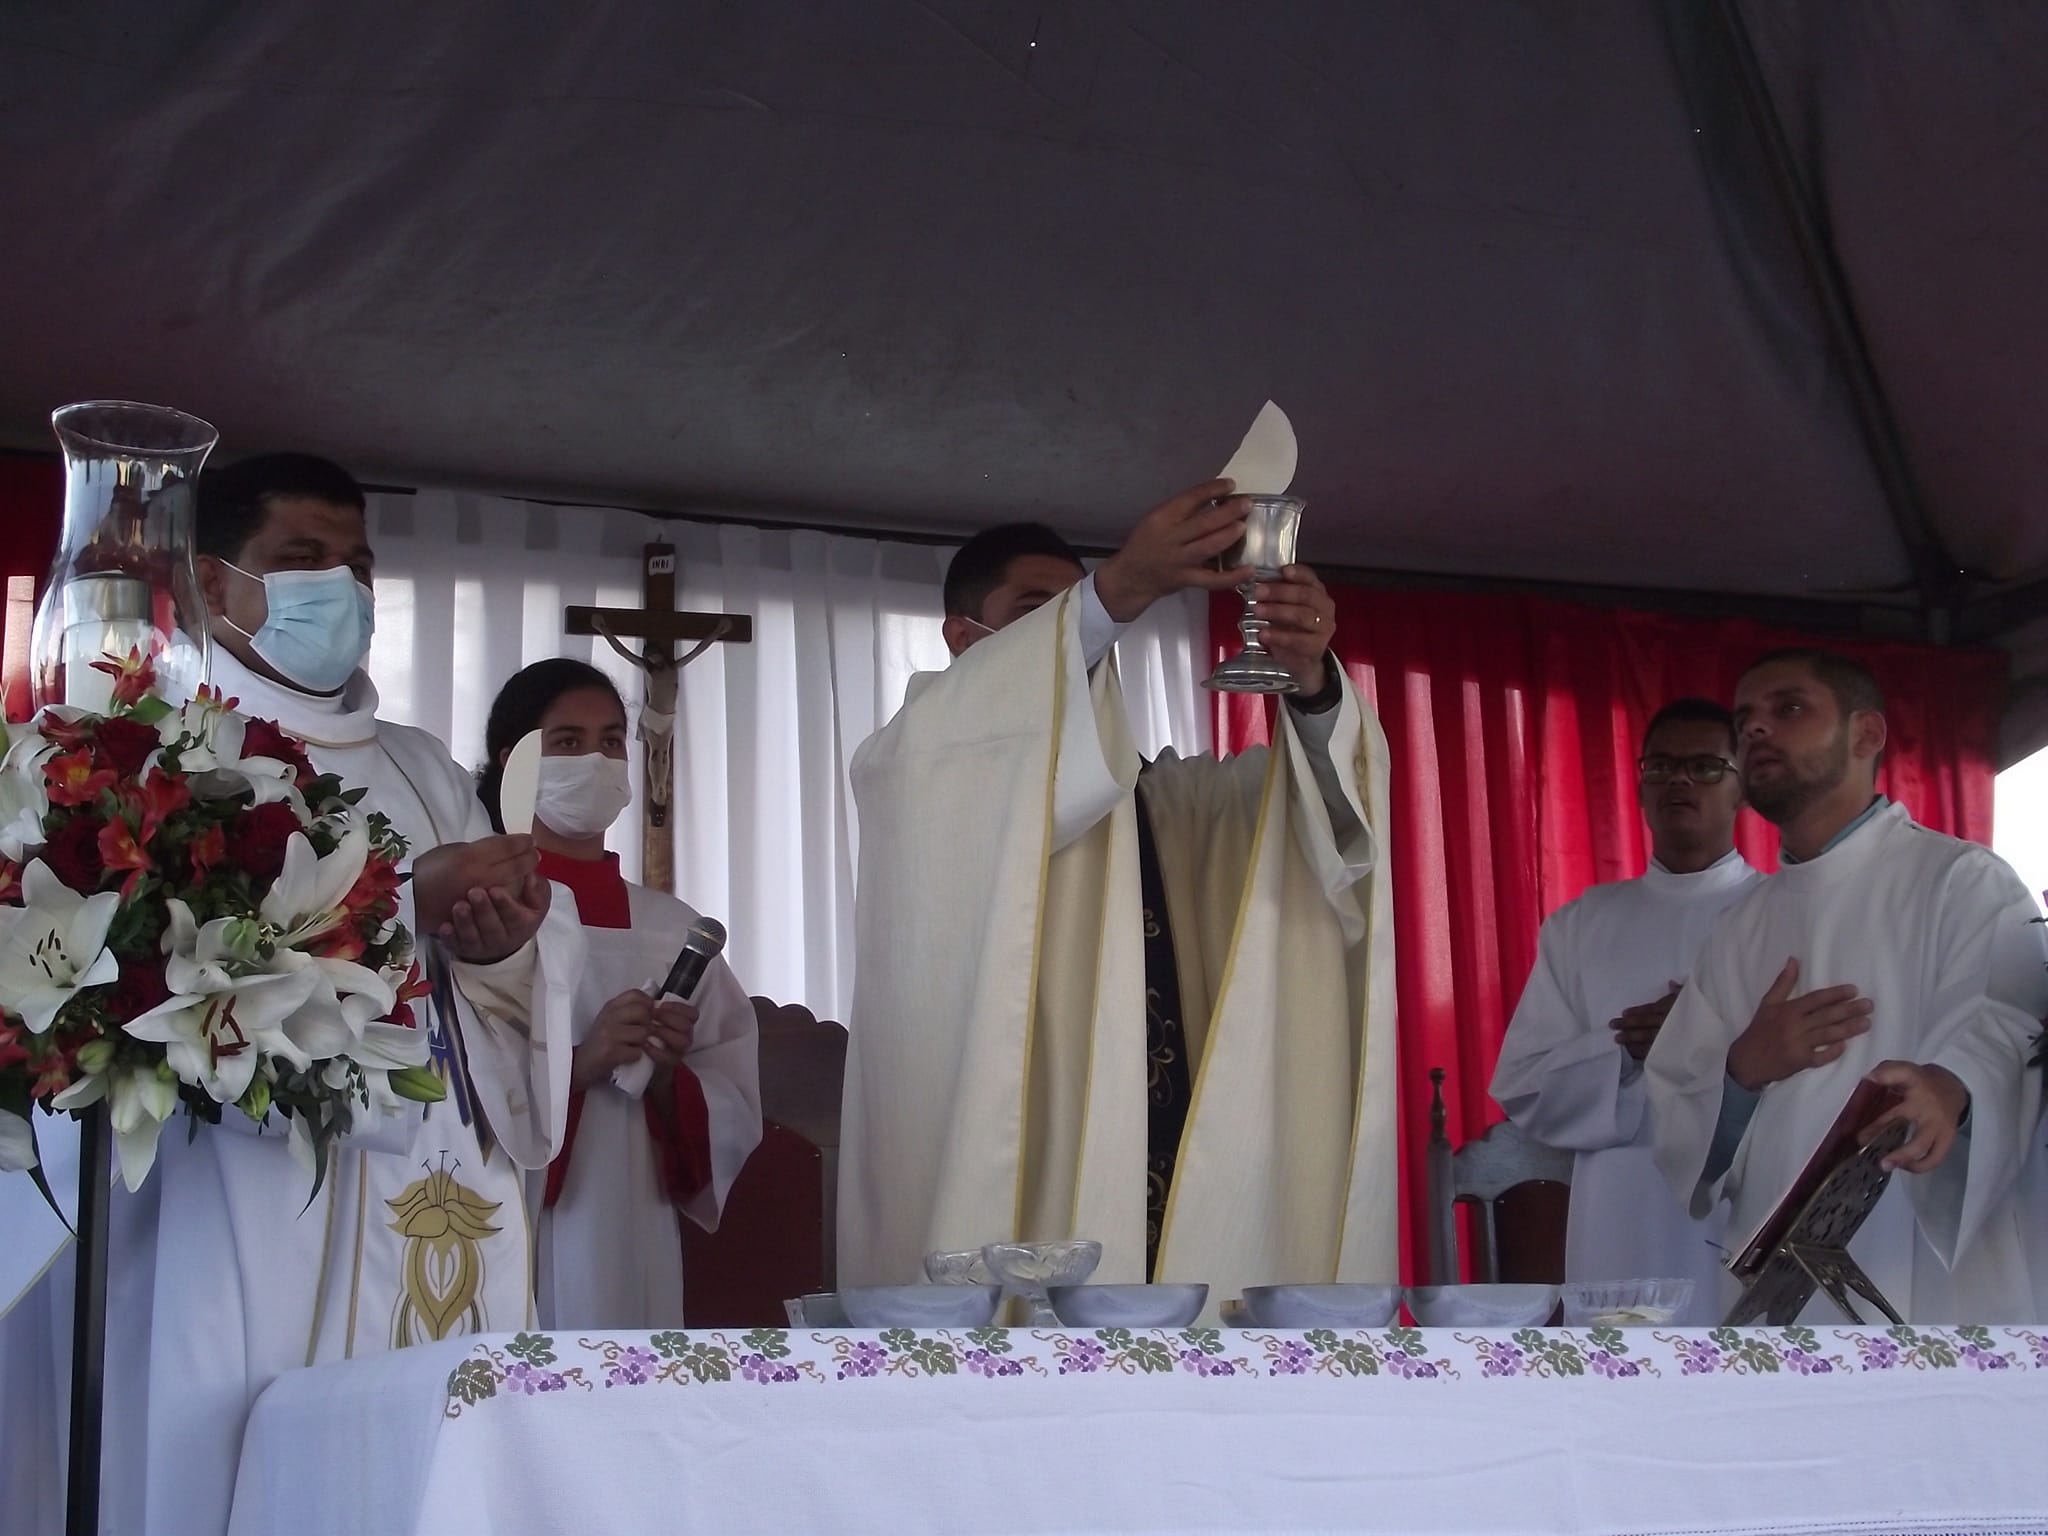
point(638, 1149)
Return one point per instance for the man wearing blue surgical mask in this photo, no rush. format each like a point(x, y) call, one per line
point(247, 1279)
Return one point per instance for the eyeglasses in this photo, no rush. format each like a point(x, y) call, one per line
point(1704, 769)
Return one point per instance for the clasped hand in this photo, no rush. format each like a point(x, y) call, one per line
point(628, 1027)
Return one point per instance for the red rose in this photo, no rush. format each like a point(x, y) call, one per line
point(73, 854)
point(121, 744)
point(256, 839)
point(263, 738)
point(140, 988)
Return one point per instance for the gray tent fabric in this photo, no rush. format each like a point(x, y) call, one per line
point(1522, 271)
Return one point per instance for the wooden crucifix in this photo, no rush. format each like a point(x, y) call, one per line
point(660, 629)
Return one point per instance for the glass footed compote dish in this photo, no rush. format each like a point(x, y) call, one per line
point(969, 1267)
point(1030, 1270)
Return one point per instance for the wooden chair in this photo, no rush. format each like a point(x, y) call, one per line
point(778, 1237)
point(1519, 1193)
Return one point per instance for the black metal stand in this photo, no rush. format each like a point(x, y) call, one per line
point(89, 1323)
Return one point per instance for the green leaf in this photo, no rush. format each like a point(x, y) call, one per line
point(1321, 1340)
point(670, 1345)
point(1977, 1334)
point(896, 1340)
point(1115, 1340)
point(707, 1364)
point(995, 1340)
point(1356, 1359)
point(1610, 1340)
point(936, 1356)
point(1905, 1337)
point(1149, 1355)
point(536, 1349)
point(1758, 1356)
point(1938, 1351)
point(1406, 1340)
point(472, 1382)
point(1803, 1339)
point(1531, 1339)
point(768, 1343)
point(149, 709)
point(1565, 1359)
point(1208, 1340)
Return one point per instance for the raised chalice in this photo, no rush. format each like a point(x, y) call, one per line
point(1272, 529)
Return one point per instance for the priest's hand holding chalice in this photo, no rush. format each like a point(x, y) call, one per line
point(1288, 617)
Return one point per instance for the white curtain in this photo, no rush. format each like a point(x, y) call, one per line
point(471, 588)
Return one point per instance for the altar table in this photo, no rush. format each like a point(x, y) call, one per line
point(792, 1433)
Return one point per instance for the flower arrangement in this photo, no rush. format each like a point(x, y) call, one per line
point(192, 916)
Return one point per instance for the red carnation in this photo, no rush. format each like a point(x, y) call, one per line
point(122, 744)
point(263, 738)
point(141, 987)
point(73, 854)
point(256, 839)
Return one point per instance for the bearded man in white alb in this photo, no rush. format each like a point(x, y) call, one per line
point(1880, 949)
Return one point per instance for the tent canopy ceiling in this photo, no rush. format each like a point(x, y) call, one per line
point(1519, 271)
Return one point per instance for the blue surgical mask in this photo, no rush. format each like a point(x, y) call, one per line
point(318, 627)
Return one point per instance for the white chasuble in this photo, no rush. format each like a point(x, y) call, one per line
point(1939, 935)
point(1565, 1081)
point(997, 1065)
point(226, 1276)
point(610, 1251)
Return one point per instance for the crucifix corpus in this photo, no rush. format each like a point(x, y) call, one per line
point(660, 629)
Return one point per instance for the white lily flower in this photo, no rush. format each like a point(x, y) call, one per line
point(142, 1099)
point(305, 900)
point(206, 962)
point(24, 794)
point(214, 1039)
point(17, 1143)
point(54, 946)
point(214, 759)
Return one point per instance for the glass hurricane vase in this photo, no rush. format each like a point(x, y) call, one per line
point(123, 581)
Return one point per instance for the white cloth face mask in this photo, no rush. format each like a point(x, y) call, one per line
point(582, 796)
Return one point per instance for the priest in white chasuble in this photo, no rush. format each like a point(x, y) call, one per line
point(1880, 949)
point(1150, 1004)
point(665, 1097)
point(1609, 966)
point(224, 1275)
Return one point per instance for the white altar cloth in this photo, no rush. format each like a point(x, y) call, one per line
point(1842, 1430)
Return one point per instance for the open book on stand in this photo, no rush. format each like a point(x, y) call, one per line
point(1803, 1245)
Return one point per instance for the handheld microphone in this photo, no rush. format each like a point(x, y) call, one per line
point(702, 946)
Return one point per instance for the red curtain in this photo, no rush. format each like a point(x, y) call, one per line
point(1513, 725)
point(31, 512)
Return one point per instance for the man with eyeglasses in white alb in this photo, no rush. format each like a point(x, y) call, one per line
point(1608, 969)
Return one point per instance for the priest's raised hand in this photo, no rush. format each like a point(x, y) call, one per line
point(1301, 621)
point(1175, 546)
point(485, 898)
